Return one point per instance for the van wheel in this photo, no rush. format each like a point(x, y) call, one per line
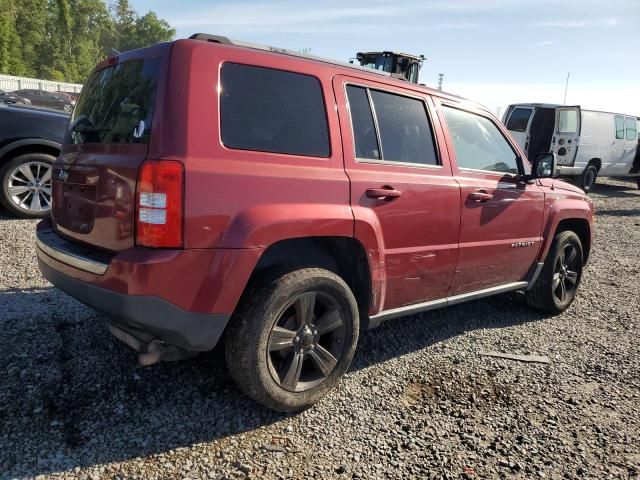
point(558, 282)
point(588, 178)
point(292, 337)
point(25, 185)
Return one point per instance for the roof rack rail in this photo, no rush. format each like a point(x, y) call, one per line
point(206, 37)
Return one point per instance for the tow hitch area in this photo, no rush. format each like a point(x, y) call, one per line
point(152, 351)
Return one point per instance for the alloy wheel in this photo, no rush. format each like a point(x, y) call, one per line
point(307, 341)
point(29, 186)
point(565, 273)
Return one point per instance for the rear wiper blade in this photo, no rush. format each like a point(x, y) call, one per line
point(86, 128)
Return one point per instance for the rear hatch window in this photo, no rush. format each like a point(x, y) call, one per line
point(117, 104)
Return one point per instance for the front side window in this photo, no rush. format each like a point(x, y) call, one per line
point(632, 129)
point(619, 127)
point(478, 143)
point(519, 120)
point(270, 110)
point(568, 121)
point(404, 132)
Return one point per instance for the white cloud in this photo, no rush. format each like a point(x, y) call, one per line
point(545, 43)
point(604, 22)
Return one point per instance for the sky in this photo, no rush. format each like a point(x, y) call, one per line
point(495, 52)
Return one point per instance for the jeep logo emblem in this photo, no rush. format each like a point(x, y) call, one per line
point(63, 175)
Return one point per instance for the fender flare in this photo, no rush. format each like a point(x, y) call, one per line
point(564, 209)
point(264, 225)
point(28, 142)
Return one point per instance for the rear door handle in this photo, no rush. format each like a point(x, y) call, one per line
point(384, 192)
point(480, 196)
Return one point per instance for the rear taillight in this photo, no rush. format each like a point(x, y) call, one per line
point(159, 204)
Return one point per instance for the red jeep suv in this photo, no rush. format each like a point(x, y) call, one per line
point(209, 188)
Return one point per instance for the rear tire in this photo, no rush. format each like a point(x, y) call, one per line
point(38, 166)
point(292, 337)
point(587, 179)
point(556, 287)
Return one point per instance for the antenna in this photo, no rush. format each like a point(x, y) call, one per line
point(566, 87)
point(440, 79)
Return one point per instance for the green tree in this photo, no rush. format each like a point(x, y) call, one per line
point(64, 39)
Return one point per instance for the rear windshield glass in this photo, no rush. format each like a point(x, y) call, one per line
point(270, 110)
point(519, 119)
point(116, 104)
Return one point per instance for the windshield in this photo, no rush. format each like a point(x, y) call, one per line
point(116, 105)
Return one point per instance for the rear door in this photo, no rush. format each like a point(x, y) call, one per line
point(518, 123)
point(94, 180)
point(402, 185)
point(631, 142)
point(501, 215)
point(567, 134)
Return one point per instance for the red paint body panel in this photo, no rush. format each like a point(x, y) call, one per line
point(429, 243)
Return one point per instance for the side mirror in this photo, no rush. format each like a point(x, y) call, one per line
point(544, 166)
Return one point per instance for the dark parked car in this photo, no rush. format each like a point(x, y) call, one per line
point(11, 97)
point(209, 190)
point(42, 98)
point(30, 141)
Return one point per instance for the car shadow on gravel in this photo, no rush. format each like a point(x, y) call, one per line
point(616, 190)
point(72, 396)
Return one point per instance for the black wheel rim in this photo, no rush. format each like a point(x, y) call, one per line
point(565, 273)
point(307, 341)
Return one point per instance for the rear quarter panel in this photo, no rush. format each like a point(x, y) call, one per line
point(248, 199)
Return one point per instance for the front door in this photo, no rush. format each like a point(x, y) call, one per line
point(501, 215)
point(401, 187)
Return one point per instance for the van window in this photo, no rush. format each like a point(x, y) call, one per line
point(478, 143)
point(619, 127)
point(116, 104)
point(364, 130)
point(270, 110)
point(519, 119)
point(405, 132)
point(568, 121)
point(632, 129)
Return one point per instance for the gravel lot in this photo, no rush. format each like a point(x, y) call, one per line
point(419, 401)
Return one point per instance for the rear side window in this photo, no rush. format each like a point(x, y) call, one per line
point(403, 128)
point(478, 143)
point(269, 110)
point(619, 127)
point(116, 104)
point(519, 119)
point(632, 132)
point(364, 130)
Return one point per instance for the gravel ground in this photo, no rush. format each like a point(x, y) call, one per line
point(419, 401)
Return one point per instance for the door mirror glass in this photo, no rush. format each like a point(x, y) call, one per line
point(544, 166)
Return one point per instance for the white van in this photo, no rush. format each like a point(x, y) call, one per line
point(587, 143)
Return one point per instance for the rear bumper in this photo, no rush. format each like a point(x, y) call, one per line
point(152, 317)
point(183, 298)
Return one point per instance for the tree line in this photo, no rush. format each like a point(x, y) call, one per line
point(63, 40)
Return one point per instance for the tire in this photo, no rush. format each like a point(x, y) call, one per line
point(260, 348)
point(546, 293)
point(10, 178)
point(587, 178)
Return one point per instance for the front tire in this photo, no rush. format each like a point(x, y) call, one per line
point(556, 287)
point(25, 185)
point(587, 179)
point(292, 337)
